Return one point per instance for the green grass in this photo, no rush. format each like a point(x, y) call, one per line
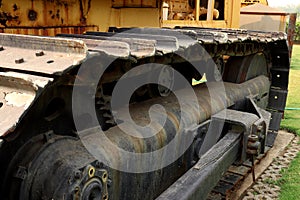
point(296, 58)
point(290, 182)
point(291, 120)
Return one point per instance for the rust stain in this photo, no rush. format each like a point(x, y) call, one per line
point(48, 31)
point(7, 17)
point(46, 17)
point(84, 10)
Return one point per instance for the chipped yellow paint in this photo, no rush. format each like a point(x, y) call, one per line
point(43, 17)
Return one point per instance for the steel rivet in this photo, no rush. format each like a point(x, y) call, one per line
point(40, 53)
point(19, 61)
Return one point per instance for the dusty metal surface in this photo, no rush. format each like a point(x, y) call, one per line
point(17, 92)
point(291, 31)
point(197, 182)
point(189, 188)
point(143, 145)
point(48, 31)
point(40, 54)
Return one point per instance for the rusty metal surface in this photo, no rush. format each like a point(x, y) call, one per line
point(243, 119)
point(45, 17)
point(207, 106)
point(17, 92)
point(139, 48)
point(48, 31)
point(291, 32)
point(213, 40)
point(241, 170)
point(235, 92)
point(205, 35)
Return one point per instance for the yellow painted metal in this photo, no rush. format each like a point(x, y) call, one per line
point(197, 9)
point(251, 2)
point(210, 8)
point(135, 17)
point(231, 16)
point(201, 23)
point(44, 17)
point(232, 13)
point(43, 13)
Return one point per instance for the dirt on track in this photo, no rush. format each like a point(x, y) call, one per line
point(268, 171)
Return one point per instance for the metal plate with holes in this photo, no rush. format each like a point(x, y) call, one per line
point(280, 58)
point(275, 121)
point(277, 99)
point(280, 78)
point(271, 138)
point(40, 54)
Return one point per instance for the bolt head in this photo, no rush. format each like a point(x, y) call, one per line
point(99, 164)
point(39, 53)
point(19, 61)
point(77, 174)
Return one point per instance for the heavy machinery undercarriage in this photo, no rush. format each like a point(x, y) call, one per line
point(61, 139)
point(98, 109)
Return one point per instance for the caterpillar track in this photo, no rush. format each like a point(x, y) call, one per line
point(62, 125)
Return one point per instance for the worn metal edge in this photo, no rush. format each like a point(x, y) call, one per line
point(43, 43)
point(198, 182)
point(35, 84)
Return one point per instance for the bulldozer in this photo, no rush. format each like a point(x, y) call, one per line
point(134, 99)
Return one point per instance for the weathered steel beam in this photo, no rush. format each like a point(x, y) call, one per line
point(200, 180)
